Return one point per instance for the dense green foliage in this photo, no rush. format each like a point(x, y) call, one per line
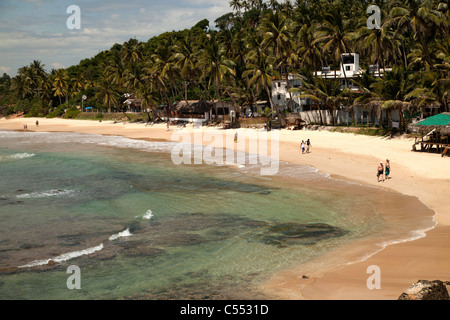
point(250, 46)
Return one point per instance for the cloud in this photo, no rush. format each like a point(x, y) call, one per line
point(57, 65)
point(4, 69)
point(30, 32)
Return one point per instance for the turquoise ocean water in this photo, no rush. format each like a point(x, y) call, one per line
point(140, 227)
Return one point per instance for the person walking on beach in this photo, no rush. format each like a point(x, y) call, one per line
point(303, 146)
point(37, 123)
point(387, 169)
point(308, 145)
point(380, 171)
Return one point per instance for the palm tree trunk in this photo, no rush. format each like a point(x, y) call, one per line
point(320, 114)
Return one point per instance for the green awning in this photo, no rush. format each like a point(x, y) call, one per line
point(442, 119)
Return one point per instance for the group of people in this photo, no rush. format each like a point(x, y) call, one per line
point(305, 146)
point(384, 170)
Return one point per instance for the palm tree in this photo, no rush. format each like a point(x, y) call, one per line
point(236, 5)
point(215, 65)
point(307, 48)
point(131, 51)
point(19, 86)
point(276, 33)
point(434, 89)
point(37, 73)
point(325, 92)
point(420, 17)
point(106, 93)
point(333, 34)
point(185, 59)
point(116, 71)
point(60, 84)
point(78, 84)
point(164, 65)
point(260, 73)
point(390, 90)
point(46, 93)
point(381, 45)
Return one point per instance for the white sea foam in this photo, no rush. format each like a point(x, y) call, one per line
point(124, 233)
point(47, 194)
point(148, 215)
point(64, 257)
point(21, 155)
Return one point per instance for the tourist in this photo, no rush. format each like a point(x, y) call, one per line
point(387, 169)
point(37, 123)
point(380, 171)
point(308, 145)
point(303, 146)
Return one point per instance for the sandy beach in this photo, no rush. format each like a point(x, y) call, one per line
point(346, 157)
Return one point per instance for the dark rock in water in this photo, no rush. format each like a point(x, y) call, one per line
point(197, 274)
point(143, 251)
point(426, 290)
point(305, 234)
point(27, 246)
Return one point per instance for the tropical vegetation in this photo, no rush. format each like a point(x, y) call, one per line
point(259, 41)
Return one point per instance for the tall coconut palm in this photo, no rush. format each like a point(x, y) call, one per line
point(434, 89)
point(78, 84)
point(275, 28)
point(106, 93)
point(260, 72)
point(421, 17)
point(215, 66)
point(61, 84)
point(307, 48)
point(116, 71)
point(164, 64)
point(390, 90)
point(236, 5)
point(325, 92)
point(131, 51)
point(38, 73)
point(382, 45)
point(19, 86)
point(333, 34)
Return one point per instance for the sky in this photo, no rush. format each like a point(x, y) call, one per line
point(37, 29)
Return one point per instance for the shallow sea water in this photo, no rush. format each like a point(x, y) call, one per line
point(140, 227)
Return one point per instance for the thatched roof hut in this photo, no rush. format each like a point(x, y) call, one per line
point(192, 107)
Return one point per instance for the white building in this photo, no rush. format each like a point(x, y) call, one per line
point(349, 69)
point(281, 97)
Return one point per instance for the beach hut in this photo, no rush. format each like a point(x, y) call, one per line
point(192, 108)
point(435, 134)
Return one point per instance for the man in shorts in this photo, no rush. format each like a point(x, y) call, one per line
point(380, 171)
